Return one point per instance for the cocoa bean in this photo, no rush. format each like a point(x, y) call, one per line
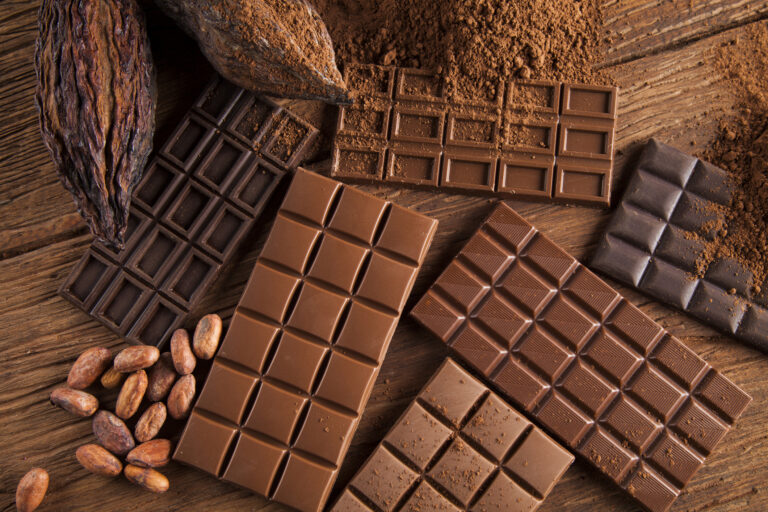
point(148, 478)
point(152, 454)
point(206, 338)
point(150, 422)
point(112, 378)
point(181, 396)
point(88, 367)
point(183, 359)
point(98, 460)
point(96, 98)
point(75, 401)
point(112, 433)
point(31, 490)
point(136, 358)
point(131, 394)
point(161, 378)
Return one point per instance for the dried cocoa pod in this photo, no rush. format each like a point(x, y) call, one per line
point(278, 47)
point(150, 422)
point(112, 378)
point(88, 366)
point(112, 433)
point(183, 359)
point(96, 99)
point(135, 358)
point(148, 478)
point(161, 378)
point(31, 490)
point(152, 454)
point(75, 401)
point(181, 396)
point(131, 394)
point(207, 335)
point(98, 460)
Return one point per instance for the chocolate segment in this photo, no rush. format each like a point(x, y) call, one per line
point(646, 245)
point(581, 360)
point(537, 140)
point(457, 447)
point(198, 199)
point(306, 342)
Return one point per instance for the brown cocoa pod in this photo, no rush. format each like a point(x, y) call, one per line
point(161, 378)
point(98, 460)
point(183, 359)
point(31, 490)
point(181, 396)
point(135, 358)
point(88, 367)
point(112, 433)
point(131, 394)
point(271, 46)
point(150, 422)
point(207, 335)
point(75, 401)
point(112, 378)
point(148, 478)
point(152, 454)
point(96, 99)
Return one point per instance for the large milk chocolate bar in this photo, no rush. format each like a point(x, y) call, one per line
point(540, 140)
point(198, 199)
point(580, 359)
point(306, 342)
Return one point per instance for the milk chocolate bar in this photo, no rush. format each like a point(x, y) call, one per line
point(647, 244)
point(198, 199)
point(581, 360)
point(457, 447)
point(539, 140)
point(306, 342)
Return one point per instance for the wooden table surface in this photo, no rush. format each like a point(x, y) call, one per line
point(659, 58)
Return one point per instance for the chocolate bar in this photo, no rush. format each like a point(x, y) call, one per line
point(198, 199)
point(457, 447)
point(299, 360)
point(581, 360)
point(539, 140)
point(647, 245)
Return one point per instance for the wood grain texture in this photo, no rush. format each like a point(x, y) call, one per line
point(668, 91)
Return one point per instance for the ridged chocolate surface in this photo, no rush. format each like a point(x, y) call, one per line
point(580, 359)
point(457, 447)
point(198, 199)
point(538, 140)
point(646, 244)
point(306, 342)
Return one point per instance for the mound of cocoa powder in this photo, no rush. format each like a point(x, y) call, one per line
point(472, 44)
point(741, 147)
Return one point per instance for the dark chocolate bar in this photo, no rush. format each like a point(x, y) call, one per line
point(305, 345)
point(647, 245)
point(536, 140)
point(198, 199)
point(580, 359)
point(457, 447)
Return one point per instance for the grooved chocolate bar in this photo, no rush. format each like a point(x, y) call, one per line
point(457, 447)
point(536, 140)
point(580, 359)
point(296, 368)
point(198, 199)
point(647, 244)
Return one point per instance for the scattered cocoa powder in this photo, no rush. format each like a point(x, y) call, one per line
point(472, 44)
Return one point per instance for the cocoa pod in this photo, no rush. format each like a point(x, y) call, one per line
point(135, 358)
point(31, 490)
point(207, 335)
point(96, 99)
point(152, 454)
point(131, 394)
point(112, 433)
point(98, 460)
point(181, 396)
point(272, 46)
point(150, 422)
point(183, 359)
point(161, 378)
point(75, 401)
point(148, 478)
point(112, 378)
point(88, 367)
